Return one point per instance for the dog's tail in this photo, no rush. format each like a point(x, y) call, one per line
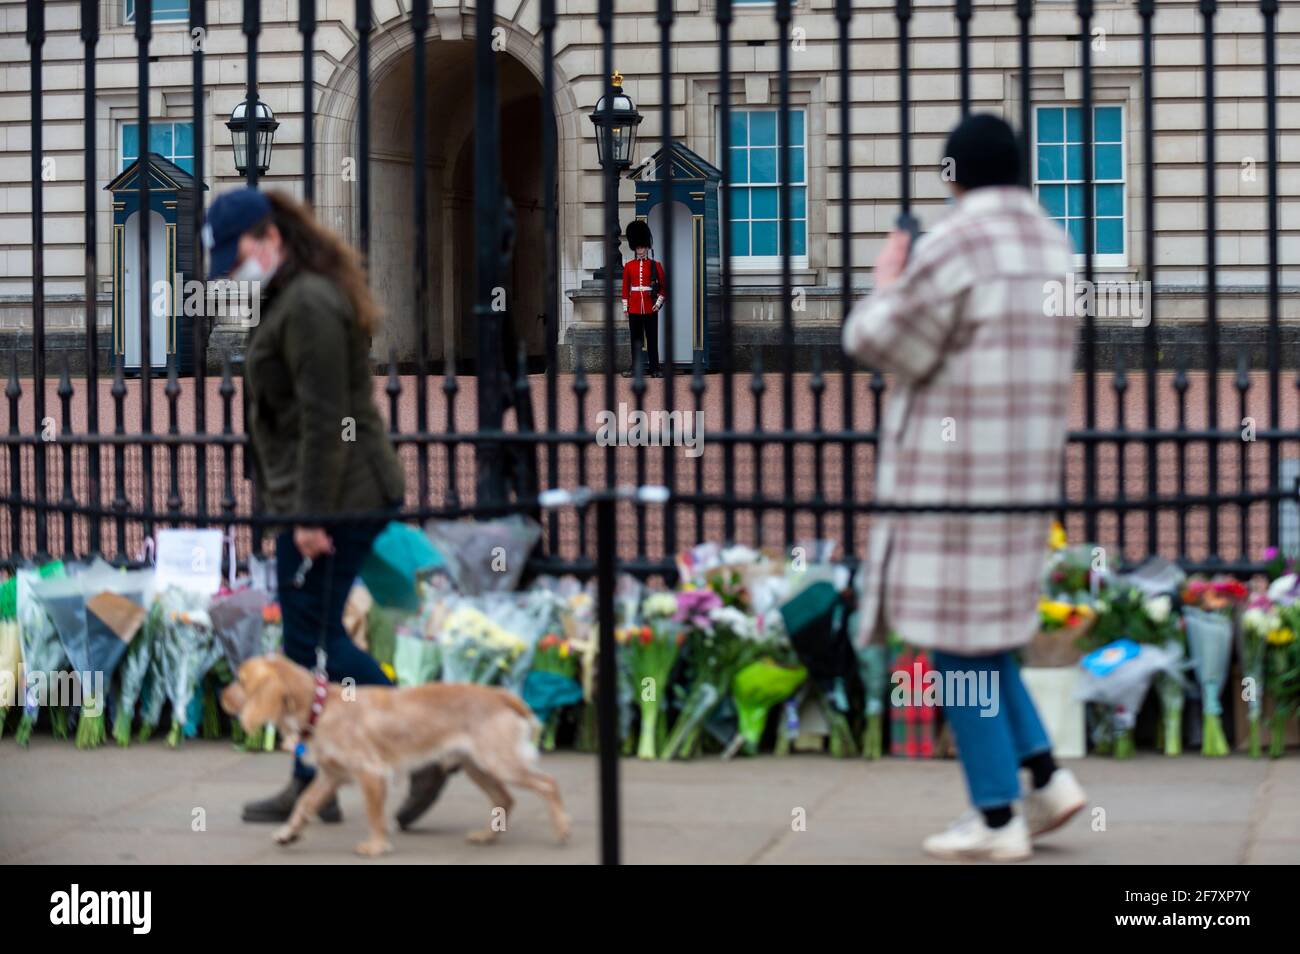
point(521, 707)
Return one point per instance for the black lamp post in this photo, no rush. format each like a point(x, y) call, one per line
point(616, 120)
point(264, 127)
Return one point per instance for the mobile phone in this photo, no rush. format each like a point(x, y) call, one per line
point(910, 224)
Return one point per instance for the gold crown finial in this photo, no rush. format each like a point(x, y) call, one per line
point(617, 79)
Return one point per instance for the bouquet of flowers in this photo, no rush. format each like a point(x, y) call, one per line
point(186, 649)
point(1062, 627)
point(43, 654)
point(132, 672)
point(758, 687)
point(1118, 676)
point(487, 642)
point(651, 653)
point(727, 641)
point(552, 684)
point(1282, 676)
point(1208, 608)
point(1261, 619)
point(11, 650)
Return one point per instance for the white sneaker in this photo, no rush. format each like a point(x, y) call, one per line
point(1048, 808)
point(970, 839)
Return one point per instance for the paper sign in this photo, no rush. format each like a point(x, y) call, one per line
point(189, 559)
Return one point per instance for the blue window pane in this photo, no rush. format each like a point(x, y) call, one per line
point(1075, 228)
point(1074, 124)
point(739, 204)
point(740, 165)
point(160, 139)
point(171, 9)
point(798, 238)
point(184, 142)
point(186, 163)
point(739, 238)
point(796, 127)
point(1106, 124)
point(1109, 162)
point(796, 165)
point(798, 203)
point(1051, 163)
point(1110, 236)
point(763, 203)
point(130, 142)
point(1053, 199)
point(739, 128)
point(764, 239)
point(1110, 199)
point(1074, 200)
point(1051, 124)
point(762, 165)
point(762, 128)
point(1074, 162)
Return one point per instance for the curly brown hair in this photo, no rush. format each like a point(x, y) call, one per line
point(312, 247)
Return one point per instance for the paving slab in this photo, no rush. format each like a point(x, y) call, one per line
point(154, 804)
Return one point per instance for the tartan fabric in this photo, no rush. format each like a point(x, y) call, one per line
point(977, 414)
point(911, 727)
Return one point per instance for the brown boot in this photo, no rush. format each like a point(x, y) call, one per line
point(426, 786)
point(279, 807)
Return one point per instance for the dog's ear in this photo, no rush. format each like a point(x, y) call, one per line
point(264, 695)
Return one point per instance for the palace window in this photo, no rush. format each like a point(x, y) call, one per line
point(754, 236)
point(1058, 175)
point(162, 10)
point(171, 140)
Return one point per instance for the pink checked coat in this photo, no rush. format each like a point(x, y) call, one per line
point(981, 375)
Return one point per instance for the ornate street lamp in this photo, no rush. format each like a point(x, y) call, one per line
point(264, 127)
point(615, 118)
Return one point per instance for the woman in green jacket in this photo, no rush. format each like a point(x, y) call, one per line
point(315, 438)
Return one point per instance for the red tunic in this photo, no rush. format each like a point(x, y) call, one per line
point(636, 286)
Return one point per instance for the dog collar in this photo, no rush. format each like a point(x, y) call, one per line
point(317, 705)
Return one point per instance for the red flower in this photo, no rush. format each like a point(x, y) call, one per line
point(646, 635)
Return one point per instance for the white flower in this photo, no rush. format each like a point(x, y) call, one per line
point(658, 605)
point(739, 623)
point(1158, 608)
point(1283, 590)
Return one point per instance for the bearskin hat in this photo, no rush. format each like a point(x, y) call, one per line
point(638, 235)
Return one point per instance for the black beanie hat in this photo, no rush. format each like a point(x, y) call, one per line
point(638, 234)
point(984, 152)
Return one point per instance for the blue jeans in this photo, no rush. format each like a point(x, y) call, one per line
point(318, 604)
point(992, 740)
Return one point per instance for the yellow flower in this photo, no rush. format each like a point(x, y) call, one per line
point(1056, 539)
point(1280, 637)
point(389, 671)
point(564, 650)
point(1086, 611)
point(1054, 611)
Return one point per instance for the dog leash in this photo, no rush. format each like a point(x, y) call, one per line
point(319, 673)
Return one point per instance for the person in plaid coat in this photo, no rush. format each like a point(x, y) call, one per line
point(981, 373)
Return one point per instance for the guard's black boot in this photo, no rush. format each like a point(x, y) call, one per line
point(279, 807)
point(426, 786)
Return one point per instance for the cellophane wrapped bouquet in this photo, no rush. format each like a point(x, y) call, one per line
point(186, 648)
point(1209, 612)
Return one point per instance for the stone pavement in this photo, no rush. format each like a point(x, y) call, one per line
point(114, 806)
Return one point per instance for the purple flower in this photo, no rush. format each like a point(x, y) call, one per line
point(1270, 553)
point(694, 606)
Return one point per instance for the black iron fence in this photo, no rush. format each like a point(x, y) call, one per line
point(1158, 457)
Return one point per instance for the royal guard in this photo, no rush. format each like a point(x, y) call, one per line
point(644, 288)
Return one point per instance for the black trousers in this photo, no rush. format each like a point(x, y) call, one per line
point(645, 336)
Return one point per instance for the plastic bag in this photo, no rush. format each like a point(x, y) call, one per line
point(1119, 674)
point(485, 556)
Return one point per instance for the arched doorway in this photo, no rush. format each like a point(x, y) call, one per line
point(449, 172)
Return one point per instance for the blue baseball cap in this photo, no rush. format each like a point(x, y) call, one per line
point(231, 215)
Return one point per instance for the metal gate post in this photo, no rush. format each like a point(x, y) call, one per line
point(607, 679)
